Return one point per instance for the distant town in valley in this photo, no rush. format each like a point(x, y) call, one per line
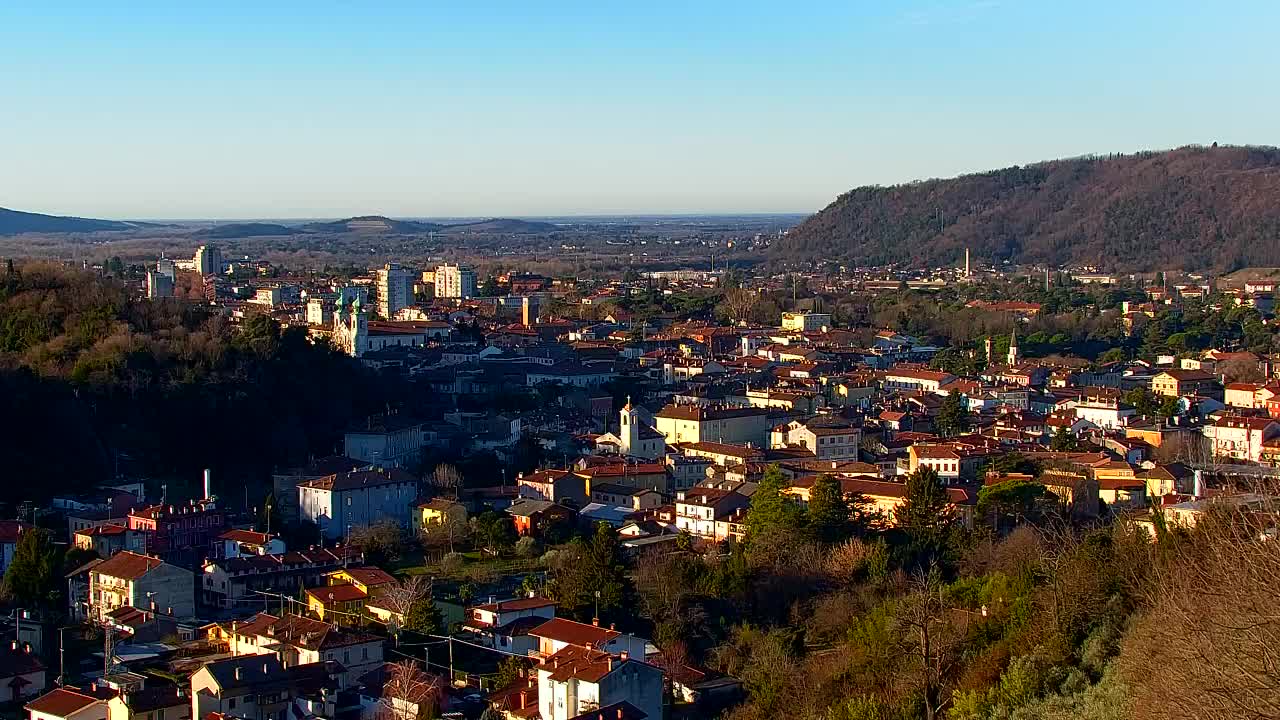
point(631, 468)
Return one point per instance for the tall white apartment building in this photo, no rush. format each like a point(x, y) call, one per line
point(208, 260)
point(455, 281)
point(395, 289)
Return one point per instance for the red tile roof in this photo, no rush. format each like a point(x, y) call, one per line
point(574, 633)
point(61, 702)
point(127, 565)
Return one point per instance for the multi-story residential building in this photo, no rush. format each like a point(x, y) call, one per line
point(1104, 410)
point(228, 583)
point(954, 463)
point(805, 321)
point(142, 582)
point(262, 687)
point(1177, 383)
point(108, 539)
point(922, 380)
point(346, 594)
point(559, 633)
point(505, 625)
point(159, 285)
point(208, 260)
point(455, 281)
point(337, 503)
point(181, 534)
point(1250, 395)
point(700, 423)
point(300, 640)
point(828, 439)
point(581, 682)
point(395, 289)
point(698, 510)
point(1241, 438)
point(553, 486)
point(388, 440)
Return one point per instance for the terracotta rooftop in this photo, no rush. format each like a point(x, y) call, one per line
point(574, 633)
point(127, 565)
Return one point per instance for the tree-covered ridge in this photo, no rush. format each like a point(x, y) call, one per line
point(93, 377)
point(1191, 208)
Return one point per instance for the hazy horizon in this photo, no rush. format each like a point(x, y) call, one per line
point(300, 110)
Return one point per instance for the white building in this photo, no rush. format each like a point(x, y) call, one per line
point(208, 260)
point(1241, 438)
point(395, 289)
point(922, 380)
point(1108, 413)
point(704, 512)
point(828, 439)
point(806, 321)
point(337, 503)
point(635, 438)
point(455, 281)
point(584, 682)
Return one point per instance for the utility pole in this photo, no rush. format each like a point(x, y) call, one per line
point(450, 659)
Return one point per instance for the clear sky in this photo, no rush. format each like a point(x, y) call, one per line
point(315, 109)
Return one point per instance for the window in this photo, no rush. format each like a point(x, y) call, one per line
point(364, 653)
point(231, 704)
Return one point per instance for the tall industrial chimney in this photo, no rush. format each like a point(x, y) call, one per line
point(208, 484)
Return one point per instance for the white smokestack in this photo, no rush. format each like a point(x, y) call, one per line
point(1197, 490)
point(208, 484)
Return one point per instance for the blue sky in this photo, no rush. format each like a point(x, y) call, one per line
point(317, 109)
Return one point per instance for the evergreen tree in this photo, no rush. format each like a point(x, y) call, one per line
point(829, 511)
point(424, 616)
point(925, 514)
point(953, 416)
point(771, 510)
point(32, 579)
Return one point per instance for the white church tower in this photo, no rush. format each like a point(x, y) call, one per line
point(350, 326)
point(636, 438)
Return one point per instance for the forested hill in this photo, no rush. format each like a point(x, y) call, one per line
point(1191, 208)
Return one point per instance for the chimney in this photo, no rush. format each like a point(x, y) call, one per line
point(208, 484)
point(524, 699)
point(1198, 489)
point(595, 621)
point(237, 672)
point(624, 655)
point(266, 669)
point(611, 626)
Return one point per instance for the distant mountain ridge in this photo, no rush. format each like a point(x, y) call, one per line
point(246, 230)
point(1192, 208)
point(16, 222)
point(374, 224)
point(501, 225)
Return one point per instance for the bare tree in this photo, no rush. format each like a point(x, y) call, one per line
point(1207, 646)
point(935, 633)
point(738, 304)
point(447, 478)
point(446, 534)
point(401, 596)
point(408, 693)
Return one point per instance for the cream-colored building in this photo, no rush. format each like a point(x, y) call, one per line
point(806, 321)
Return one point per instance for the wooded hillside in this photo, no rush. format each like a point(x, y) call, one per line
point(1191, 208)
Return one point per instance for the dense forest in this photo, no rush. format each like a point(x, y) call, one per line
point(93, 381)
point(1193, 208)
